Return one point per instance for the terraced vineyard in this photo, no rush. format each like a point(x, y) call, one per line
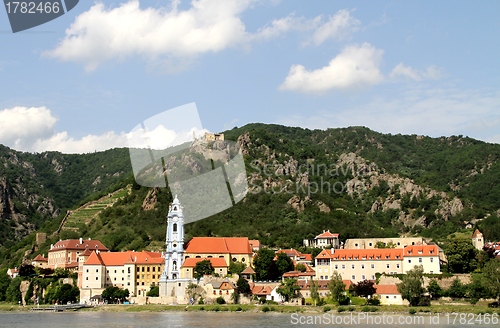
point(79, 218)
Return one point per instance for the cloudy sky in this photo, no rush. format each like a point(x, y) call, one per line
point(83, 81)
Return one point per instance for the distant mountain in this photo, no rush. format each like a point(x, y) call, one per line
point(353, 181)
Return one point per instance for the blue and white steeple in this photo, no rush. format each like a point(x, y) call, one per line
point(174, 242)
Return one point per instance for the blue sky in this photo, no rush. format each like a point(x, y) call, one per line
point(83, 81)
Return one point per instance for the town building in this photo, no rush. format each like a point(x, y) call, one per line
point(363, 264)
point(135, 271)
point(371, 243)
point(296, 256)
point(65, 253)
point(40, 262)
point(478, 239)
point(323, 291)
point(323, 240)
point(389, 295)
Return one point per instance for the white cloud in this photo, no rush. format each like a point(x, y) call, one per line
point(354, 67)
point(338, 26)
point(64, 143)
point(401, 70)
point(21, 126)
point(101, 34)
point(436, 112)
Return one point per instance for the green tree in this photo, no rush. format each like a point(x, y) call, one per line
point(475, 289)
point(114, 294)
point(300, 267)
point(435, 290)
point(491, 277)
point(364, 288)
point(67, 293)
point(461, 256)
point(13, 294)
point(243, 286)
point(203, 268)
point(288, 289)
point(314, 291)
point(154, 291)
point(456, 290)
point(236, 267)
point(411, 287)
point(264, 265)
point(4, 283)
point(26, 270)
point(284, 264)
point(336, 287)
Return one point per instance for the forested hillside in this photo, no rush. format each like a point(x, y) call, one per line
point(353, 181)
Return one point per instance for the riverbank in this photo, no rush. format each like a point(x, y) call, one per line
point(457, 307)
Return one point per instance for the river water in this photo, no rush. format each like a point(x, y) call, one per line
point(223, 319)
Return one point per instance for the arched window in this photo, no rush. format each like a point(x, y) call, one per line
point(174, 265)
point(175, 227)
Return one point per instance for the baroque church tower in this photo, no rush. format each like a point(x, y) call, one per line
point(171, 284)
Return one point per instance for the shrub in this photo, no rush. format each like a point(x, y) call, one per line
point(220, 300)
point(344, 300)
point(341, 309)
point(493, 305)
point(365, 309)
point(224, 308)
point(351, 308)
point(216, 309)
point(201, 308)
point(373, 301)
point(265, 308)
point(326, 309)
point(412, 311)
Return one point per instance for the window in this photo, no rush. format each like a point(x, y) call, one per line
point(154, 277)
point(362, 266)
point(154, 269)
point(142, 269)
point(96, 278)
point(138, 269)
point(343, 266)
point(128, 270)
point(397, 265)
point(147, 269)
point(419, 260)
point(115, 271)
point(356, 244)
point(86, 278)
point(96, 270)
point(137, 277)
point(123, 271)
point(370, 244)
point(114, 278)
point(87, 270)
point(409, 260)
point(387, 266)
point(372, 266)
point(353, 277)
point(234, 259)
point(143, 283)
point(363, 277)
point(175, 227)
point(373, 277)
point(352, 266)
point(432, 260)
point(336, 267)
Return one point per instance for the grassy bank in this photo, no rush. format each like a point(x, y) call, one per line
point(458, 307)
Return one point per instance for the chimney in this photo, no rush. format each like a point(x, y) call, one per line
point(81, 240)
point(332, 250)
point(51, 246)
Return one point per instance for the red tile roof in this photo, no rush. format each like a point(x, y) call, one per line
point(476, 233)
point(40, 258)
point(216, 262)
point(327, 234)
point(289, 252)
point(74, 244)
point(260, 290)
point(254, 243)
point(386, 289)
point(122, 258)
point(248, 270)
point(294, 274)
point(421, 250)
point(219, 245)
point(307, 257)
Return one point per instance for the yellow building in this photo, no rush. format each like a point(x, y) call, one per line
point(231, 249)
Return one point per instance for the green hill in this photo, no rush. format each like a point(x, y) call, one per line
point(353, 181)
